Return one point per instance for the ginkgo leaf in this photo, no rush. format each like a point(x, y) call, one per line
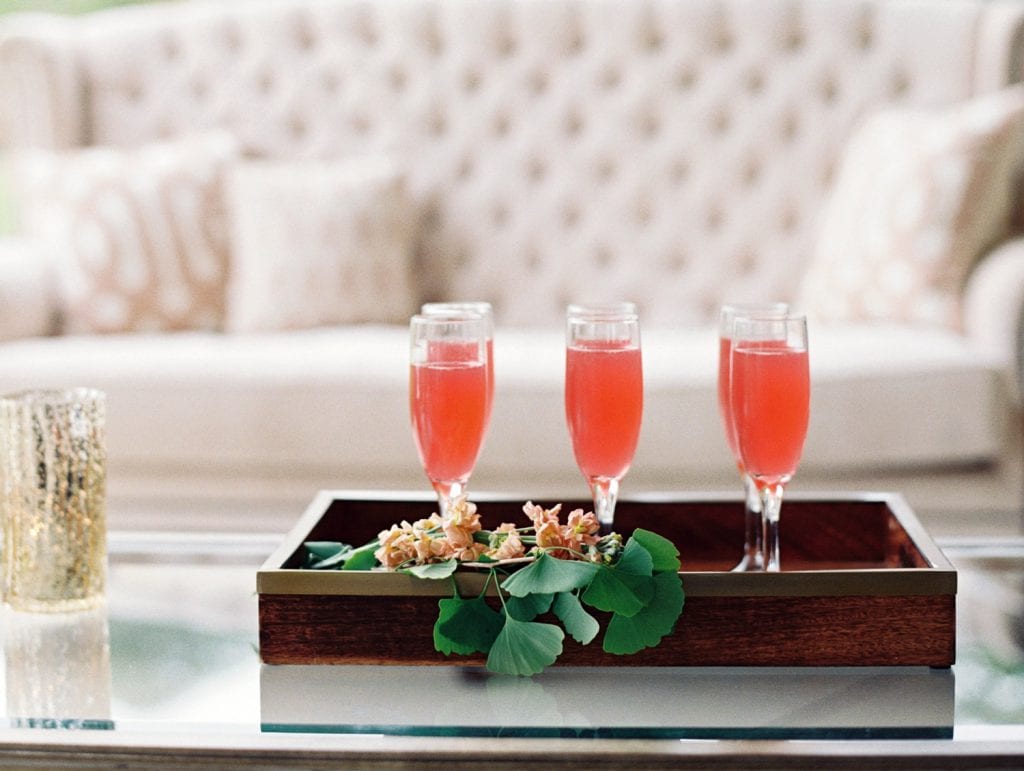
point(629, 634)
point(525, 647)
point(664, 554)
point(466, 626)
point(529, 607)
point(580, 625)
point(549, 575)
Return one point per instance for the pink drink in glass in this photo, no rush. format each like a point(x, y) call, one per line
point(604, 405)
point(770, 404)
point(448, 403)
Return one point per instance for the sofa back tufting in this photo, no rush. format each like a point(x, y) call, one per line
point(669, 151)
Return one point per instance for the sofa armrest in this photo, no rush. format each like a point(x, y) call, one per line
point(993, 310)
point(28, 298)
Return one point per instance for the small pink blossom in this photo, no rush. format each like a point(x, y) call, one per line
point(582, 530)
point(396, 546)
point(510, 546)
point(461, 523)
point(539, 515)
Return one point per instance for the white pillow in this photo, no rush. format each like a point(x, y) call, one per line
point(919, 196)
point(137, 233)
point(317, 243)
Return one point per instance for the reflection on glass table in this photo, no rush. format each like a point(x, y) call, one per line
point(175, 651)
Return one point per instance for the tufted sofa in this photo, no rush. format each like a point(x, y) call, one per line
point(228, 211)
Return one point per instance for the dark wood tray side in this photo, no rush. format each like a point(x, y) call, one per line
point(863, 585)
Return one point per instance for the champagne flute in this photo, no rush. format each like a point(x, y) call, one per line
point(485, 310)
point(770, 392)
point(603, 396)
point(753, 528)
point(448, 397)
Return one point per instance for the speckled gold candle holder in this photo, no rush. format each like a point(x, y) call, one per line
point(53, 464)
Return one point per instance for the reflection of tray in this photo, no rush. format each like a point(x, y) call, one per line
point(613, 702)
point(863, 584)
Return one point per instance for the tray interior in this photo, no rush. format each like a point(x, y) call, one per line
point(862, 532)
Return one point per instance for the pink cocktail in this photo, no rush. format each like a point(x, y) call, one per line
point(448, 398)
point(770, 390)
point(603, 396)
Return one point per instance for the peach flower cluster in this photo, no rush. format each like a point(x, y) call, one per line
point(459, 536)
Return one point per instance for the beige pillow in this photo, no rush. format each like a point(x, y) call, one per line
point(138, 234)
point(317, 243)
point(918, 198)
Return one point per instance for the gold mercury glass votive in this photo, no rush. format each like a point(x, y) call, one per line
point(53, 465)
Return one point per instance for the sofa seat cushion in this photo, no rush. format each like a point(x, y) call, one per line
point(333, 402)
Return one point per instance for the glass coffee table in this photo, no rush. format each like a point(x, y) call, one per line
point(170, 669)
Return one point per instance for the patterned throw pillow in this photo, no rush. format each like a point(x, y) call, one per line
point(919, 196)
point(137, 234)
point(318, 243)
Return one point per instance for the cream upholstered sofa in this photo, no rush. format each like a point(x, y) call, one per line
point(229, 210)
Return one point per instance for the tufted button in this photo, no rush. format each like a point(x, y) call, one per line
point(793, 40)
point(501, 124)
point(536, 170)
point(132, 91)
point(570, 216)
point(720, 121)
point(865, 31)
point(643, 213)
point(436, 124)
point(900, 83)
point(790, 127)
point(611, 77)
point(746, 262)
point(678, 171)
point(302, 32)
point(360, 124)
point(652, 40)
point(789, 219)
point(602, 256)
point(829, 89)
point(330, 81)
point(365, 29)
point(531, 258)
point(649, 125)
point(723, 40)
point(432, 41)
point(686, 78)
point(499, 215)
point(171, 47)
point(465, 169)
point(507, 46)
point(265, 82)
point(714, 217)
point(398, 78)
point(297, 127)
point(471, 81)
point(232, 37)
point(676, 261)
point(538, 82)
point(604, 170)
point(573, 124)
point(575, 43)
point(751, 172)
point(199, 88)
point(755, 82)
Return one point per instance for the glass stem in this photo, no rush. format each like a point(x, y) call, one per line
point(771, 505)
point(605, 492)
point(753, 540)
point(448, 492)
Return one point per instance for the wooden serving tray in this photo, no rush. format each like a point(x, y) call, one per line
point(862, 584)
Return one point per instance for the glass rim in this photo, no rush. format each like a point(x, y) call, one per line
point(623, 310)
point(482, 307)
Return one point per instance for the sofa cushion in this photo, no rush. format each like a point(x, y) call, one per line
point(919, 196)
point(137, 234)
point(331, 404)
point(317, 243)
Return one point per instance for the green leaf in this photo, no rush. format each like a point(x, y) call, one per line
point(432, 570)
point(549, 575)
point(361, 559)
point(578, 623)
point(323, 555)
point(525, 647)
point(625, 588)
point(663, 552)
point(529, 607)
point(629, 634)
point(635, 559)
point(466, 626)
